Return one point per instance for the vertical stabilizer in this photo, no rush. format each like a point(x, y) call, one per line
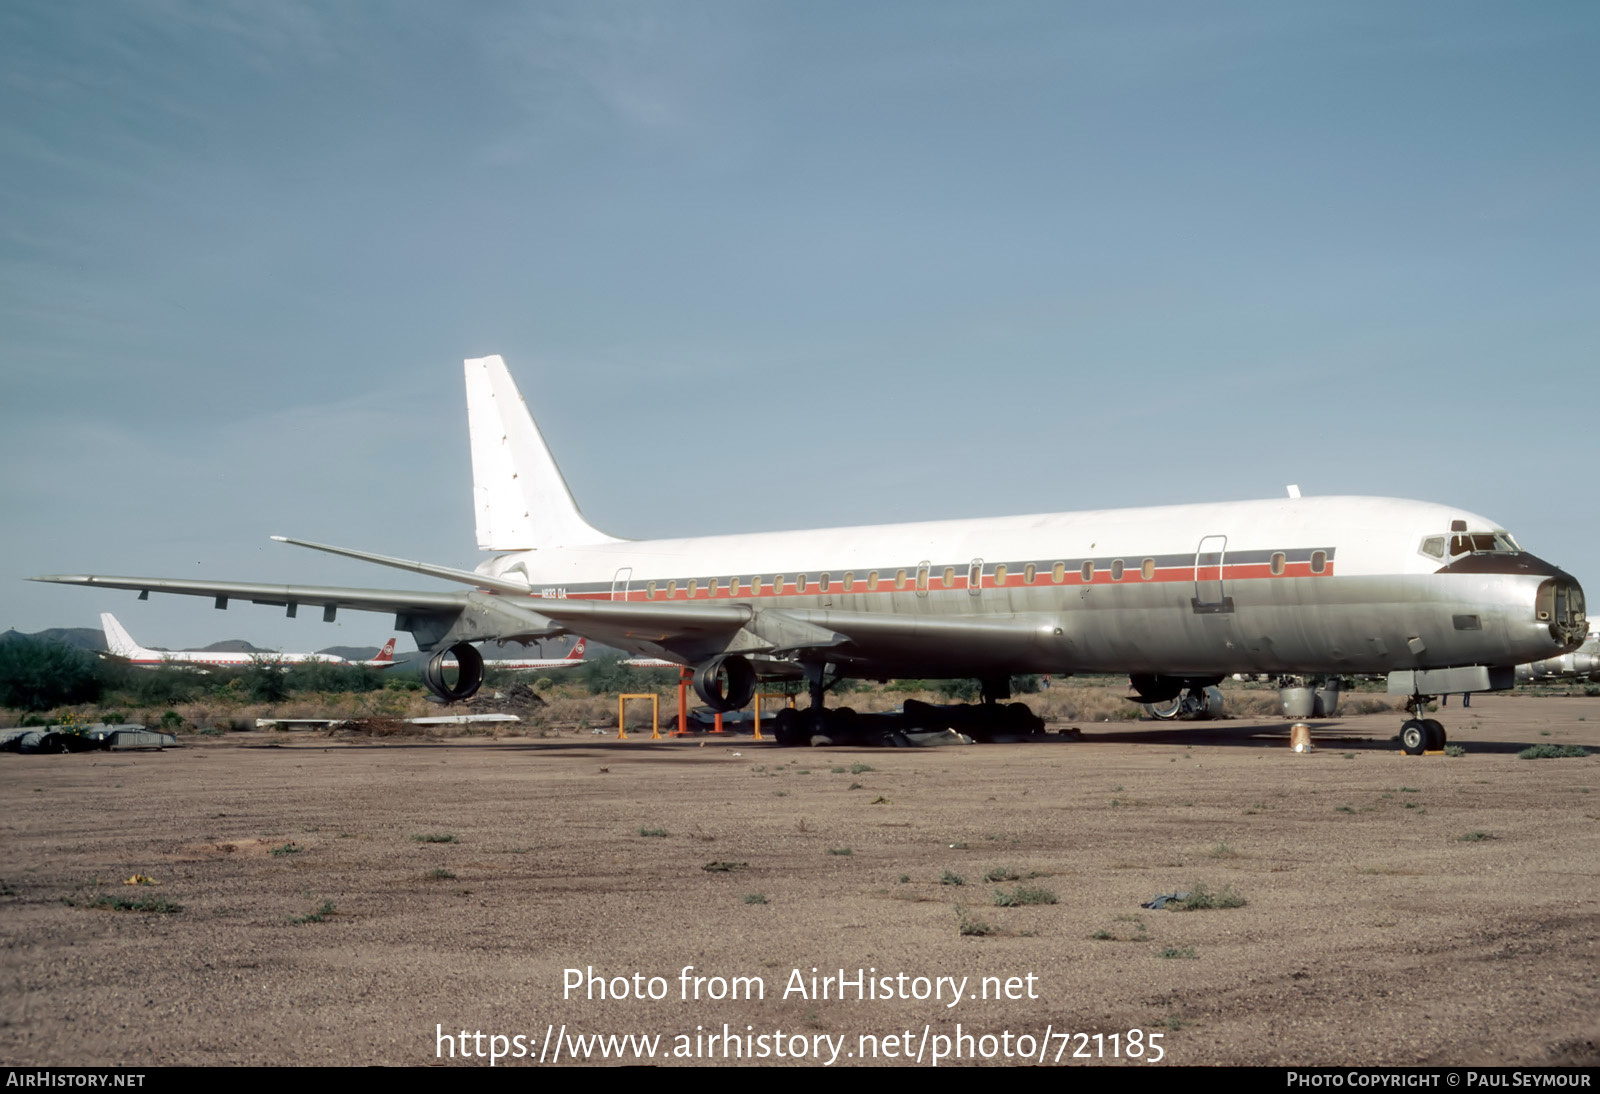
point(119, 641)
point(520, 500)
point(576, 653)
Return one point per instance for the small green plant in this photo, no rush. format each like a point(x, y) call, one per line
point(1103, 935)
point(653, 832)
point(1476, 837)
point(1174, 952)
point(1222, 850)
point(840, 851)
point(1343, 809)
point(755, 898)
point(154, 905)
point(1552, 752)
point(439, 837)
point(723, 867)
point(837, 769)
point(317, 916)
point(1454, 750)
point(1201, 898)
point(950, 877)
point(1023, 894)
point(855, 786)
point(439, 873)
point(288, 849)
point(976, 928)
point(860, 769)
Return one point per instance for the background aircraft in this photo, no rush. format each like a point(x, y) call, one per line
point(120, 643)
point(1438, 598)
point(1583, 662)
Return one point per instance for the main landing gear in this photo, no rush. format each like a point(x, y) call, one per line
point(1419, 735)
point(796, 727)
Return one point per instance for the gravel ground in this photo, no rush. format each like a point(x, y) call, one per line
point(349, 902)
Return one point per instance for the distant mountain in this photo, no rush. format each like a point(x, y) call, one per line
point(83, 638)
point(354, 653)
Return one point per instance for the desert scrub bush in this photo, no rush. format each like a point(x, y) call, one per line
point(653, 832)
point(434, 837)
point(950, 877)
point(153, 905)
point(1552, 752)
point(1201, 898)
point(755, 898)
point(968, 925)
point(38, 675)
point(322, 913)
point(1023, 894)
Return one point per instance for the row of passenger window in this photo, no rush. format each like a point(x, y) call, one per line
point(947, 578)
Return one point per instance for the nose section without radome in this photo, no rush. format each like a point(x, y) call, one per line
point(1559, 604)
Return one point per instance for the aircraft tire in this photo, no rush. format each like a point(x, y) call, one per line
point(786, 728)
point(1436, 735)
point(1164, 711)
point(1414, 737)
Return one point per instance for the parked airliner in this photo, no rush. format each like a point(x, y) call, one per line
point(121, 644)
point(1582, 663)
point(571, 660)
point(1439, 598)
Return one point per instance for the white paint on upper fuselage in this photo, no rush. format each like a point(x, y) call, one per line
point(1372, 536)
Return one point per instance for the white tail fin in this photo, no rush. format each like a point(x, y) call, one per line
point(520, 499)
point(577, 650)
point(119, 641)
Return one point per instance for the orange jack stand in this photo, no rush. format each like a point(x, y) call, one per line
point(655, 713)
point(683, 703)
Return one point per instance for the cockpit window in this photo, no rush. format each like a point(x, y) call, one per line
point(1483, 543)
point(1433, 547)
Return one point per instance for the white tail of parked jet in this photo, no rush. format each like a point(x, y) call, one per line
point(520, 499)
point(121, 644)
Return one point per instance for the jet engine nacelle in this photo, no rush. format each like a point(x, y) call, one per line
point(469, 672)
point(726, 682)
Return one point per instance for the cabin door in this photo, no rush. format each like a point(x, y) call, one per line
point(1210, 588)
point(620, 582)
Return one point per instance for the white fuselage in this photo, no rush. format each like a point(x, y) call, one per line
point(1284, 585)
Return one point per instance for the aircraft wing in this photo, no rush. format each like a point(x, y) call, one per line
point(495, 608)
point(283, 596)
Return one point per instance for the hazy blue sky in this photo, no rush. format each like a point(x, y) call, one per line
point(762, 265)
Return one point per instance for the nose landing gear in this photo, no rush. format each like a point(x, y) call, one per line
point(1419, 735)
